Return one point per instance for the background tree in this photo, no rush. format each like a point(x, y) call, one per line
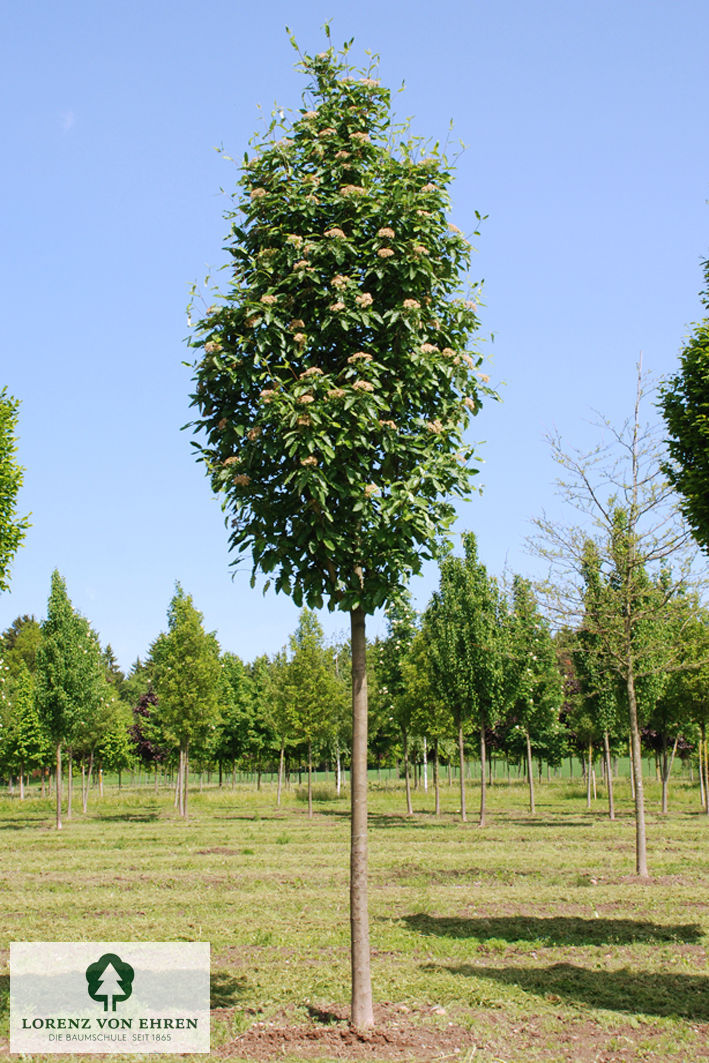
point(313, 691)
point(428, 712)
point(629, 512)
point(464, 621)
point(12, 527)
point(23, 742)
point(334, 380)
point(531, 677)
point(19, 644)
point(391, 654)
point(684, 400)
point(68, 676)
point(188, 682)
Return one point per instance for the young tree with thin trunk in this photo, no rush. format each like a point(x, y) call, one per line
point(531, 678)
point(631, 517)
point(188, 680)
point(335, 378)
point(69, 677)
point(465, 622)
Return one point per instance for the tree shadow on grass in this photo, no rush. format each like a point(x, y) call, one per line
point(4, 997)
point(673, 995)
point(555, 930)
point(225, 990)
point(129, 817)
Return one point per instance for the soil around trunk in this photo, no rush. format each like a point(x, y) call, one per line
point(398, 1034)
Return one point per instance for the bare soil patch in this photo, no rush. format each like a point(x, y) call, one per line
point(398, 1034)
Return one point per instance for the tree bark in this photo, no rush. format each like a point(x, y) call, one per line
point(59, 785)
point(483, 777)
point(609, 775)
point(407, 781)
point(22, 781)
point(338, 769)
point(530, 773)
point(310, 780)
point(362, 1013)
point(425, 765)
point(436, 777)
point(461, 754)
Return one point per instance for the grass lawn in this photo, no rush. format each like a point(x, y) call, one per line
point(529, 940)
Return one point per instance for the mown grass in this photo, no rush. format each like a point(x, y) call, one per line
point(526, 931)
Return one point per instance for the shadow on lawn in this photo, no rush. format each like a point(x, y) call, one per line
point(555, 930)
point(225, 990)
point(672, 995)
point(4, 997)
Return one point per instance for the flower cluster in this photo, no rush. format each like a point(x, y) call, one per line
point(268, 300)
point(337, 306)
point(370, 489)
point(386, 233)
point(304, 400)
point(385, 252)
point(335, 234)
point(335, 393)
point(258, 193)
point(411, 304)
point(429, 348)
point(434, 426)
point(241, 479)
point(388, 424)
point(359, 356)
point(363, 385)
point(312, 460)
point(267, 395)
point(364, 299)
point(340, 281)
point(362, 138)
point(212, 347)
point(353, 190)
point(253, 433)
point(314, 370)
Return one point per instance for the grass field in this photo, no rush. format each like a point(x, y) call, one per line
point(529, 940)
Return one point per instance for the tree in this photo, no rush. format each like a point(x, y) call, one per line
point(12, 527)
point(23, 742)
point(464, 621)
point(401, 629)
point(19, 644)
point(334, 382)
point(313, 690)
point(684, 400)
point(188, 682)
point(531, 677)
point(68, 680)
point(629, 513)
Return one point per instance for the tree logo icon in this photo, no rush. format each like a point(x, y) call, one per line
point(110, 980)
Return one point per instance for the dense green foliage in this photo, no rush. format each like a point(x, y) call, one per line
point(336, 377)
point(684, 401)
point(12, 527)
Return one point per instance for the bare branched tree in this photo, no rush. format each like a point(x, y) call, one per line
point(630, 519)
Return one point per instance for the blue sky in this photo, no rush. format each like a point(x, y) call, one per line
point(586, 134)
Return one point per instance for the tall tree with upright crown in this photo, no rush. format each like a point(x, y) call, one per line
point(335, 377)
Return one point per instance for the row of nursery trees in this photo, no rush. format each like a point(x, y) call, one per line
point(478, 672)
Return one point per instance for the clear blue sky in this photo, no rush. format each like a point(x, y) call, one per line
point(587, 147)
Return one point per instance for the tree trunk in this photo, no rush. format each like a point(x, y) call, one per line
point(637, 770)
point(178, 785)
point(58, 786)
point(43, 773)
point(667, 763)
point(425, 765)
point(530, 773)
point(483, 777)
point(436, 777)
point(281, 761)
point(186, 782)
point(702, 777)
point(407, 781)
point(461, 754)
point(22, 781)
point(310, 780)
point(450, 773)
point(609, 775)
point(84, 791)
point(338, 770)
point(69, 782)
point(589, 772)
point(362, 1013)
